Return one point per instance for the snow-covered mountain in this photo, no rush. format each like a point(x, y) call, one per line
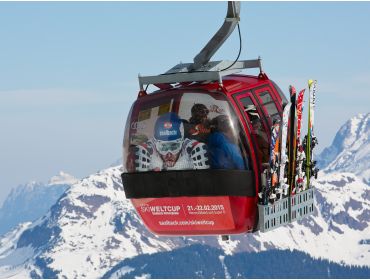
point(89, 230)
point(92, 229)
point(350, 150)
point(32, 200)
point(338, 232)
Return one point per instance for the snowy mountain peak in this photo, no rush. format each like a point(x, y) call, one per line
point(354, 128)
point(350, 150)
point(29, 201)
point(24, 188)
point(62, 178)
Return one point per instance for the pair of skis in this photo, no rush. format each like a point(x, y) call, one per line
point(296, 174)
point(292, 158)
point(275, 184)
point(310, 140)
point(289, 167)
point(270, 174)
point(302, 165)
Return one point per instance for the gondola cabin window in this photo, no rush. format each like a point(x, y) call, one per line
point(184, 131)
point(269, 105)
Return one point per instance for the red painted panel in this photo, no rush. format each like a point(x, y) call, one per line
point(197, 215)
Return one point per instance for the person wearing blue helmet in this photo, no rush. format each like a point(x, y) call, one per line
point(168, 149)
point(168, 138)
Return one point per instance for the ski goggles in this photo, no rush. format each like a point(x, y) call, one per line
point(164, 147)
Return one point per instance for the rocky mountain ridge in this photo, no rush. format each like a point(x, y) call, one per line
point(29, 201)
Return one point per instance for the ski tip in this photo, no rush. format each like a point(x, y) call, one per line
point(311, 82)
point(292, 90)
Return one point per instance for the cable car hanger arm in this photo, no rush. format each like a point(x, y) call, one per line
point(212, 72)
point(202, 69)
point(231, 20)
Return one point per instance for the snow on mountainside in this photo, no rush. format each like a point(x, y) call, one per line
point(350, 150)
point(11, 259)
point(92, 228)
point(338, 231)
point(32, 200)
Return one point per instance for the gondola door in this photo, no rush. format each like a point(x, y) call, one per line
point(258, 128)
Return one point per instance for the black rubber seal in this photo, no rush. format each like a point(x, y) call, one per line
point(209, 182)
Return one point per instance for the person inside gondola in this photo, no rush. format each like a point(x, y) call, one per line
point(169, 150)
point(262, 140)
point(198, 126)
point(224, 153)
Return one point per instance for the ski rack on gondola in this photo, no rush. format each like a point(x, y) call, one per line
point(285, 211)
point(212, 71)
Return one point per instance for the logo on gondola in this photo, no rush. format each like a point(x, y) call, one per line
point(145, 208)
point(161, 210)
point(167, 125)
point(168, 133)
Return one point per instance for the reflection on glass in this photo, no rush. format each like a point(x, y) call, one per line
point(222, 143)
point(265, 97)
point(183, 132)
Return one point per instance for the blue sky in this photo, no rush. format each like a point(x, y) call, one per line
point(68, 71)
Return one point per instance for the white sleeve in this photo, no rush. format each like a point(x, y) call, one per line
point(198, 153)
point(142, 159)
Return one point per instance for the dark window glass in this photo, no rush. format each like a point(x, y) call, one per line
point(271, 108)
point(269, 105)
point(259, 131)
point(265, 97)
point(285, 101)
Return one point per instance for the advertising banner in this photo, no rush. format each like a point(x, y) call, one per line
point(186, 213)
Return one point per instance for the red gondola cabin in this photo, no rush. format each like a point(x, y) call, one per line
point(195, 150)
point(193, 153)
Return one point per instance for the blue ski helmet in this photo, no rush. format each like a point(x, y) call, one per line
point(168, 127)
